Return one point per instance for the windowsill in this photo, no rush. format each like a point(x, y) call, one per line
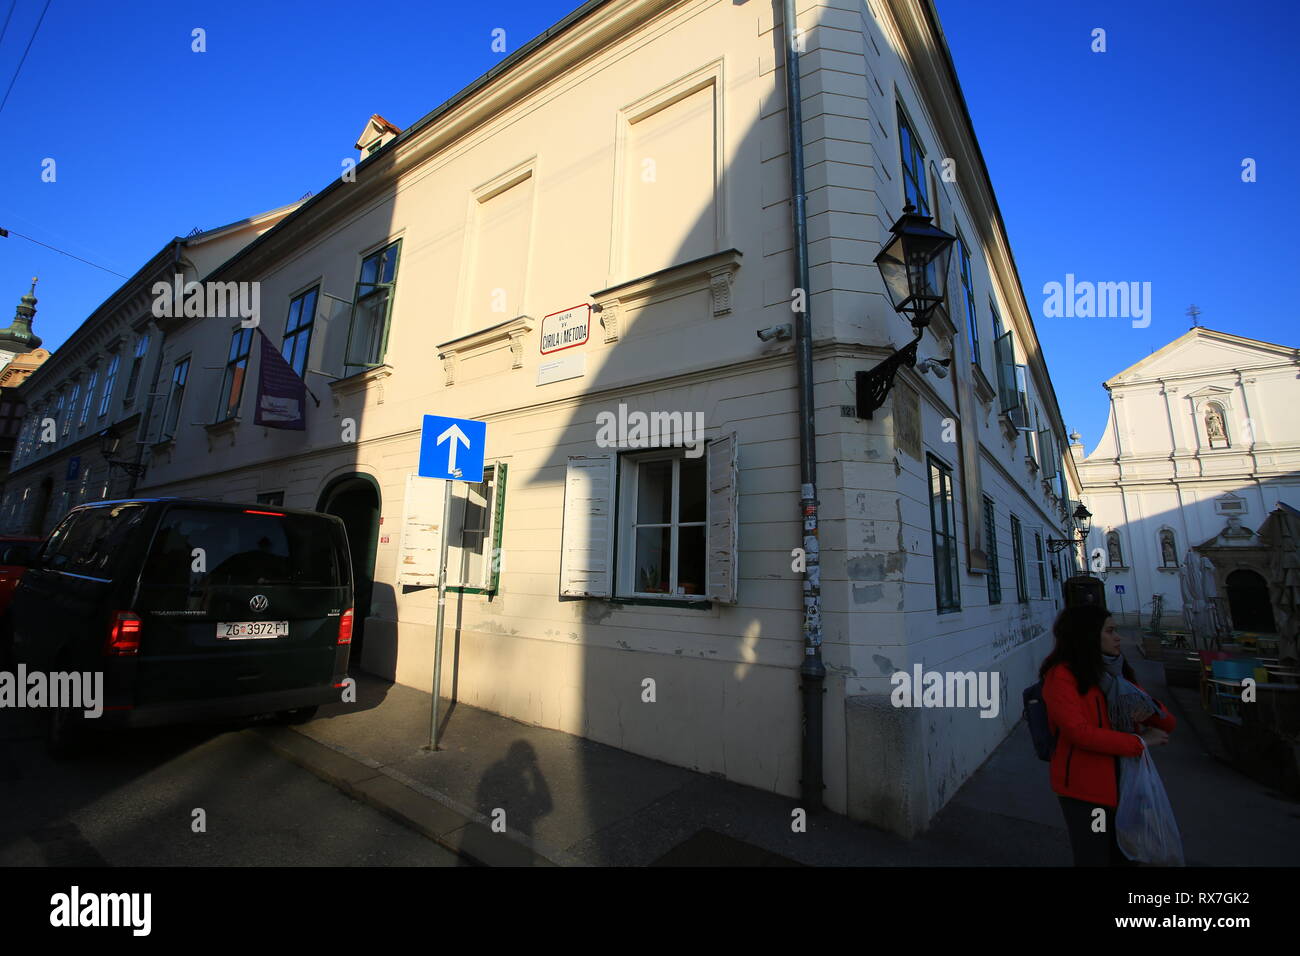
point(358, 381)
point(225, 426)
point(1168, 570)
point(1116, 567)
point(1009, 427)
point(694, 603)
point(163, 444)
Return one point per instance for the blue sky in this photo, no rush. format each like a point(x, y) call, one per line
point(1115, 166)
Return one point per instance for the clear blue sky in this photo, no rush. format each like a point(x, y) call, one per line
point(1115, 166)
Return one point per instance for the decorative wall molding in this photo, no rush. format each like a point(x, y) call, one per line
point(510, 333)
point(360, 382)
point(714, 273)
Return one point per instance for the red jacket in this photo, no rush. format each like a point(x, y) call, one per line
point(1083, 763)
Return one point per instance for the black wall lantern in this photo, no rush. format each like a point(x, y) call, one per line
point(109, 442)
point(1083, 518)
point(914, 265)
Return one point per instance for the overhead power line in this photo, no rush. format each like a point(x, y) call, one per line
point(8, 17)
point(10, 232)
point(25, 52)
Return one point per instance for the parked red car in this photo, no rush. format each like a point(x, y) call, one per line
point(16, 553)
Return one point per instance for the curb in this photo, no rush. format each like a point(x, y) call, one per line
point(432, 814)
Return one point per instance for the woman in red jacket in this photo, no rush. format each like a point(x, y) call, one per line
point(1098, 714)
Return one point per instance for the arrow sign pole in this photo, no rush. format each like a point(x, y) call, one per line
point(456, 435)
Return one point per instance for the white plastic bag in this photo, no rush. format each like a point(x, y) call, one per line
point(1144, 823)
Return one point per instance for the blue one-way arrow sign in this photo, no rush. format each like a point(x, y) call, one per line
point(452, 448)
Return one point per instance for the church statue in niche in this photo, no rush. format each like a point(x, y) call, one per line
point(1215, 427)
point(1116, 559)
point(1168, 557)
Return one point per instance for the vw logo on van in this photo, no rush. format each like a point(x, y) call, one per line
point(258, 602)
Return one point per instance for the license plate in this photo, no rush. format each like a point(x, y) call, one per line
point(251, 630)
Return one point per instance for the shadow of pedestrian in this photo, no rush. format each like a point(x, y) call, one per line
point(513, 795)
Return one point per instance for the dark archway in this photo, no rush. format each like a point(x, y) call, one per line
point(1248, 602)
point(44, 492)
point(355, 499)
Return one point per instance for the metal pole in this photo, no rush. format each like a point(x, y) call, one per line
point(812, 673)
point(442, 608)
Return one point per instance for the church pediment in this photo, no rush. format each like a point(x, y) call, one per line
point(1203, 350)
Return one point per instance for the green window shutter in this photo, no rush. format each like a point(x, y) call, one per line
point(1004, 349)
point(498, 519)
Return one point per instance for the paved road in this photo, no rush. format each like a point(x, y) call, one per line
point(131, 802)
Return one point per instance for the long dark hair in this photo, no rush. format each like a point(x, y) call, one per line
point(1078, 645)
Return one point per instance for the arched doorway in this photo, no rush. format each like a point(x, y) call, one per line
point(355, 499)
point(36, 520)
point(1248, 602)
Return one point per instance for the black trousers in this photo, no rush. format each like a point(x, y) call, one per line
point(1091, 848)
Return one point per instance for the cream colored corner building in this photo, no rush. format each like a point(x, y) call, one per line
point(631, 170)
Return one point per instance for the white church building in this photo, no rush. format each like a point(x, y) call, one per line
point(1202, 441)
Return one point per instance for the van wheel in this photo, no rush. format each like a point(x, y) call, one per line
point(299, 715)
point(65, 732)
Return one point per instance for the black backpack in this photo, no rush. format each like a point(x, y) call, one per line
point(1035, 712)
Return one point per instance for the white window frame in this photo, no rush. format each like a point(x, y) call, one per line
point(629, 467)
point(166, 432)
point(110, 382)
point(89, 399)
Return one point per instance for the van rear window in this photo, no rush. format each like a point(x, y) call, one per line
point(195, 547)
point(91, 541)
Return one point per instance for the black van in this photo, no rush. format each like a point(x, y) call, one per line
point(191, 609)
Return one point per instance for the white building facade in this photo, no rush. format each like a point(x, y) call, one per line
point(593, 233)
point(1201, 439)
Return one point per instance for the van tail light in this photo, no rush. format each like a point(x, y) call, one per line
point(345, 627)
point(273, 514)
point(123, 634)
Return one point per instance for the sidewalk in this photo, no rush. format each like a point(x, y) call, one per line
point(570, 801)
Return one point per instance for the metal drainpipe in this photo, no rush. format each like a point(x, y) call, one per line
point(813, 672)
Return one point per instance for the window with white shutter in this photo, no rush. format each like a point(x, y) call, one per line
point(724, 526)
point(587, 548)
point(420, 550)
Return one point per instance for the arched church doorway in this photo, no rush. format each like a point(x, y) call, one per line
point(1248, 602)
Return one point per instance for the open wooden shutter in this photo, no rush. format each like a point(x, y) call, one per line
point(724, 525)
point(587, 548)
point(420, 551)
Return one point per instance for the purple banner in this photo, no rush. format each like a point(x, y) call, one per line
point(281, 394)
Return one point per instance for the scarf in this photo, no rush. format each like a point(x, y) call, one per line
point(1124, 699)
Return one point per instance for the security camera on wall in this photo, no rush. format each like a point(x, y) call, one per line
point(779, 333)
